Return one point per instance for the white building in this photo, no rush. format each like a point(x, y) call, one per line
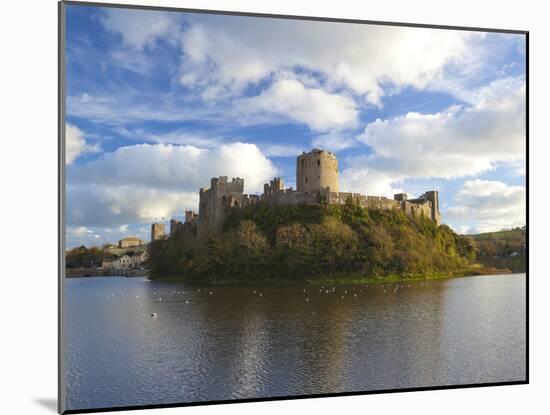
point(123, 262)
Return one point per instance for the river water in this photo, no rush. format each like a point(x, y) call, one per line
point(217, 343)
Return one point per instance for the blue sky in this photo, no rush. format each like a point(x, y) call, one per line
point(159, 102)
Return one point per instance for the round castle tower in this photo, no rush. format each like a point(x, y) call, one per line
point(316, 170)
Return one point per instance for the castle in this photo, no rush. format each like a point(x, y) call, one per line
point(316, 182)
point(157, 231)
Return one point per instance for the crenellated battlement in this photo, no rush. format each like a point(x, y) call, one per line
point(317, 182)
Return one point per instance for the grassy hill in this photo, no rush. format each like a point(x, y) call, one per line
point(502, 249)
point(318, 243)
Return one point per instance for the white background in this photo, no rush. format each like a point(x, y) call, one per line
point(28, 203)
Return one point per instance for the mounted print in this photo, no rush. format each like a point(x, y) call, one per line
point(256, 207)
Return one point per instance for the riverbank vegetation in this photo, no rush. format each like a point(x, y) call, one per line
point(317, 243)
point(93, 257)
point(503, 249)
point(82, 257)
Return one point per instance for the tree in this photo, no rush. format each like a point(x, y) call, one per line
point(250, 238)
point(333, 243)
point(290, 236)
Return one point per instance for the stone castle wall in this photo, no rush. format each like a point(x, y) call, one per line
point(215, 202)
point(317, 183)
point(339, 198)
point(187, 231)
point(417, 207)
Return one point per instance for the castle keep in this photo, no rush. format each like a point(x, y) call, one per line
point(316, 182)
point(157, 231)
point(316, 170)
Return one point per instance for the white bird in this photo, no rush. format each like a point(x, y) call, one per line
point(153, 314)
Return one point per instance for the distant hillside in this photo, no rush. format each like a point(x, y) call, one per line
point(510, 235)
point(502, 249)
point(317, 242)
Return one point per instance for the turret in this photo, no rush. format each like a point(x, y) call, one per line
point(433, 196)
point(316, 170)
point(157, 231)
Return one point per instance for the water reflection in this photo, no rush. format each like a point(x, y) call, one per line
point(210, 343)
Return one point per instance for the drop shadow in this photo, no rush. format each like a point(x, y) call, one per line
point(48, 403)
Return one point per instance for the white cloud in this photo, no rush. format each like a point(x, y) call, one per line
point(311, 106)
point(97, 236)
point(116, 206)
point(460, 141)
point(128, 106)
point(178, 137)
point(77, 230)
point(329, 67)
point(334, 141)
point(75, 144)
point(486, 206)
point(141, 28)
point(145, 182)
point(314, 107)
point(520, 169)
point(133, 60)
point(82, 235)
point(184, 168)
point(276, 150)
point(221, 58)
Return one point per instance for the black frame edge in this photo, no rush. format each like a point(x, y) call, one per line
point(290, 17)
point(288, 398)
point(61, 202)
